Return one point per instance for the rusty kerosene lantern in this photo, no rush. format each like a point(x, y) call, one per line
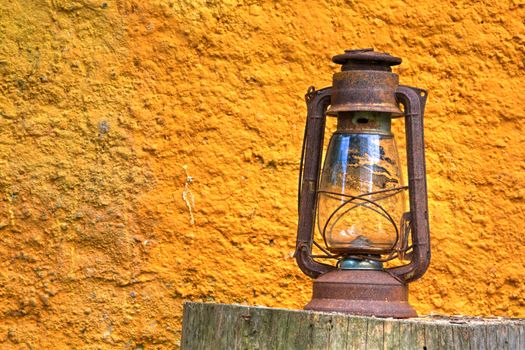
point(357, 201)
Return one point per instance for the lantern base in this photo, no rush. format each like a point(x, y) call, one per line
point(361, 292)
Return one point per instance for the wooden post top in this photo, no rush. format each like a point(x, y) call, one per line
point(223, 326)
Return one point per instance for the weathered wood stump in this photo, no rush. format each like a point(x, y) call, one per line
point(220, 326)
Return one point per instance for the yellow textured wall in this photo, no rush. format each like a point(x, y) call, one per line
point(106, 108)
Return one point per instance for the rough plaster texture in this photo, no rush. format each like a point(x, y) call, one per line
point(109, 108)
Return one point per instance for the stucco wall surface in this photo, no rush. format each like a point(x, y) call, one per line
point(149, 153)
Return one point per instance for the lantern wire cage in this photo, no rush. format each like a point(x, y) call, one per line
point(399, 248)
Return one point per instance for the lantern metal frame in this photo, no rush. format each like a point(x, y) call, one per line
point(341, 291)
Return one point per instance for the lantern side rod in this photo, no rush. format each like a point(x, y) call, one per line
point(414, 99)
point(317, 104)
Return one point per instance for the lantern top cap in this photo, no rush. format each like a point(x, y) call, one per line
point(366, 59)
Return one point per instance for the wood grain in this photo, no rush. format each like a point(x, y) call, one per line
point(236, 327)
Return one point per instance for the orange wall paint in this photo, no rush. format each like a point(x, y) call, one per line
point(106, 108)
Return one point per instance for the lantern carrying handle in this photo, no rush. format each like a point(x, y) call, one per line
point(414, 99)
point(317, 102)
